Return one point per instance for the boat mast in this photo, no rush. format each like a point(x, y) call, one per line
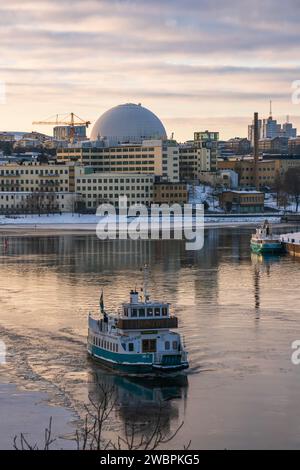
point(146, 272)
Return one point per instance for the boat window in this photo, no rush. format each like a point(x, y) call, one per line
point(104, 344)
point(167, 345)
point(175, 345)
point(149, 345)
point(126, 312)
point(130, 347)
point(134, 312)
point(141, 312)
point(117, 347)
point(150, 312)
point(157, 311)
point(165, 311)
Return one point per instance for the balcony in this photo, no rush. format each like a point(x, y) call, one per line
point(147, 323)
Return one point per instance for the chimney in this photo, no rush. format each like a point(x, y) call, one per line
point(256, 152)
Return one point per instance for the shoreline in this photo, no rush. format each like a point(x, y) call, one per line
point(28, 412)
point(23, 230)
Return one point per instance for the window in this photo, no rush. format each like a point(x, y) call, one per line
point(175, 345)
point(165, 311)
point(141, 312)
point(149, 312)
point(130, 347)
point(134, 312)
point(157, 311)
point(167, 345)
point(149, 345)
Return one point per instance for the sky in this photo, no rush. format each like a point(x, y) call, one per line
point(197, 64)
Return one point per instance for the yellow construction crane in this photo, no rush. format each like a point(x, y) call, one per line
point(65, 120)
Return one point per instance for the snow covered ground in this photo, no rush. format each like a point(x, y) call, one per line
point(89, 222)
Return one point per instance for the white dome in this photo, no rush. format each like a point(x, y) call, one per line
point(128, 123)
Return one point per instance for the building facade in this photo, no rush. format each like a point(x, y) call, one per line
point(242, 201)
point(37, 202)
point(193, 160)
point(99, 188)
point(36, 177)
point(156, 157)
point(170, 193)
point(209, 140)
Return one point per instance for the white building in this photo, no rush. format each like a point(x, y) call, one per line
point(28, 202)
point(97, 188)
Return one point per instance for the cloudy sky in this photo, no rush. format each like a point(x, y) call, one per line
point(196, 63)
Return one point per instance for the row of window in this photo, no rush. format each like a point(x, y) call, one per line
point(32, 172)
point(108, 345)
point(23, 196)
point(112, 188)
point(146, 312)
point(111, 180)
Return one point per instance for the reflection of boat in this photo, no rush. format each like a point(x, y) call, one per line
point(139, 338)
point(291, 242)
point(263, 241)
point(139, 390)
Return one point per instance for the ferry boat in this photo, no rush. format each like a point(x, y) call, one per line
point(263, 241)
point(139, 338)
point(291, 242)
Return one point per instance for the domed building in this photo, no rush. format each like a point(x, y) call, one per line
point(128, 123)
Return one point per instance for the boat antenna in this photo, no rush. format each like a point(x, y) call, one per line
point(146, 273)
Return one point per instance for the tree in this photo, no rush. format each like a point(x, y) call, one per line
point(278, 187)
point(292, 185)
point(91, 434)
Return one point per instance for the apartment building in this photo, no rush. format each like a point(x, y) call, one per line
point(193, 160)
point(156, 157)
point(170, 193)
point(96, 188)
point(36, 203)
point(36, 177)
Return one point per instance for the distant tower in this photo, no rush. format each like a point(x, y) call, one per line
point(256, 153)
point(271, 113)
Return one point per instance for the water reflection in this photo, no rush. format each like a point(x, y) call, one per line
point(142, 400)
point(49, 283)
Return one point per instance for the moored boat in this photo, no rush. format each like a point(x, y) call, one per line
point(139, 338)
point(263, 241)
point(291, 242)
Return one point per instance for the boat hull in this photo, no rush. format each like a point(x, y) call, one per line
point(134, 364)
point(293, 249)
point(268, 247)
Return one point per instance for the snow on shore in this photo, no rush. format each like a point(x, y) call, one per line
point(89, 222)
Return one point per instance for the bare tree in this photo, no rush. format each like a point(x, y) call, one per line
point(91, 433)
point(21, 443)
point(292, 184)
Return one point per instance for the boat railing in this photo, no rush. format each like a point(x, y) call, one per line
point(158, 357)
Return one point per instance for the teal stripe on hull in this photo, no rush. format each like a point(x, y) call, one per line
point(266, 247)
point(134, 363)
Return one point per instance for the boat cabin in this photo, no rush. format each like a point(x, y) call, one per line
point(139, 314)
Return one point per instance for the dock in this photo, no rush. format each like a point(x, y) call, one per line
point(291, 243)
